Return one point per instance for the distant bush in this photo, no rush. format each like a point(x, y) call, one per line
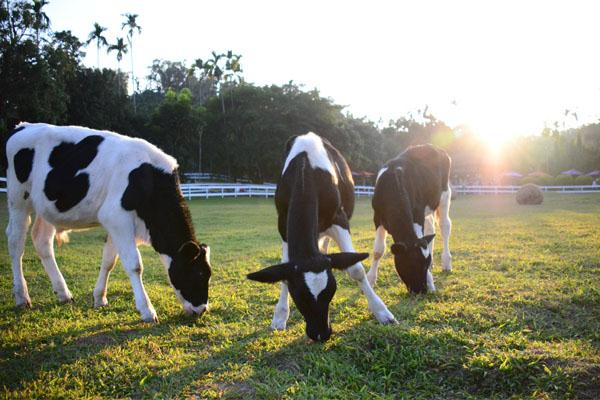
point(538, 180)
point(564, 180)
point(530, 194)
point(510, 180)
point(584, 180)
point(528, 179)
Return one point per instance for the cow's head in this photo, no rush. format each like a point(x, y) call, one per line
point(189, 273)
point(412, 262)
point(312, 286)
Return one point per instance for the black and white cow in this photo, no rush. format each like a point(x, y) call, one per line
point(409, 189)
point(315, 198)
point(74, 177)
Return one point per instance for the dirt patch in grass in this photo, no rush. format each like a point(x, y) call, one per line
point(106, 338)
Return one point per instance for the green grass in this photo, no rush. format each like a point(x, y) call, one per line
point(518, 317)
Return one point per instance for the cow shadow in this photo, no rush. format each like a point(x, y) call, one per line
point(22, 363)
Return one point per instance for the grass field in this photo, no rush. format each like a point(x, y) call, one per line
point(518, 317)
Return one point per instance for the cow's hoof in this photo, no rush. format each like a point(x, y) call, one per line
point(386, 318)
point(100, 303)
point(278, 325)
point(66, 300)
point(153, 319)
point(391, 321)
point(25, 304)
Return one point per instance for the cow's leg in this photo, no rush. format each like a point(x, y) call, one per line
point(42, 235)
point(357, 272)
point(429, 229)
point(121, 228)
point(445, 227)
point(378, 252)
point(16, 232)
point(282, 308)
point(109, 260)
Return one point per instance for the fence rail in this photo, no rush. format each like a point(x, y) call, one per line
point(206, 190)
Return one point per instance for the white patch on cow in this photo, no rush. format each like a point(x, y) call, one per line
point(430, 284)
point(316, 282)
point(313, 146)
point(428, 211)
point(207, 249)
point(381, 171)
point(419, 232)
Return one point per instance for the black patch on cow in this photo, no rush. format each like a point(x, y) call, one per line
point(3, 156)
point(63, 184)
point(25, 195)
point(23, 162)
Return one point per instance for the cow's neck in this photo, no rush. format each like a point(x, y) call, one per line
point(171, 225)
point(401, 218)
point(172, 237)
point(303, 214)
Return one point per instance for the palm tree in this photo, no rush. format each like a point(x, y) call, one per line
point(41, 19)
point(96, 35)
point(121, 48)
point(132, 26)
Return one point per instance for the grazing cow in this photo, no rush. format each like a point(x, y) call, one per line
point(74, 177)
point(315, 196)
point(408, 190)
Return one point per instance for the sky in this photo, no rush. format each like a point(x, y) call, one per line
point(503, 68)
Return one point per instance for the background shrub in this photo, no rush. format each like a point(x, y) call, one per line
point(564, 180)
point(584, 180)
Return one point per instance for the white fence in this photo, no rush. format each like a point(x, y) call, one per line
point(193, 190)
point(479, 189)
point(206, 190)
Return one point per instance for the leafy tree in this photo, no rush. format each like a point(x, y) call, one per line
point(166, 74)
point(248, 141)
point(98, 99)
point(32, 78)
point(97, 35)
point(41, 20)
point(132, 26)
point(121, 48)
point(176, 127)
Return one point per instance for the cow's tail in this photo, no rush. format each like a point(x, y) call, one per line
point(3, 157)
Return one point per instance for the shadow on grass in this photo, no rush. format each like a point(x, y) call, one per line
point(19, 365)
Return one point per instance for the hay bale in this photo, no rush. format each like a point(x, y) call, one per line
point(530, 194)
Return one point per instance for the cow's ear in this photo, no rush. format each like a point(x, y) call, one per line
point(190, 250)
point(274, 273)
point(140, 187)
point(425, 240)
point(398, 248)
point(345, 260)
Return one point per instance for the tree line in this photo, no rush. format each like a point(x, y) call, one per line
point(208, 117)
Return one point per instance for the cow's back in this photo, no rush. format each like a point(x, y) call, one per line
point(415, 179)
point(75, 169)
